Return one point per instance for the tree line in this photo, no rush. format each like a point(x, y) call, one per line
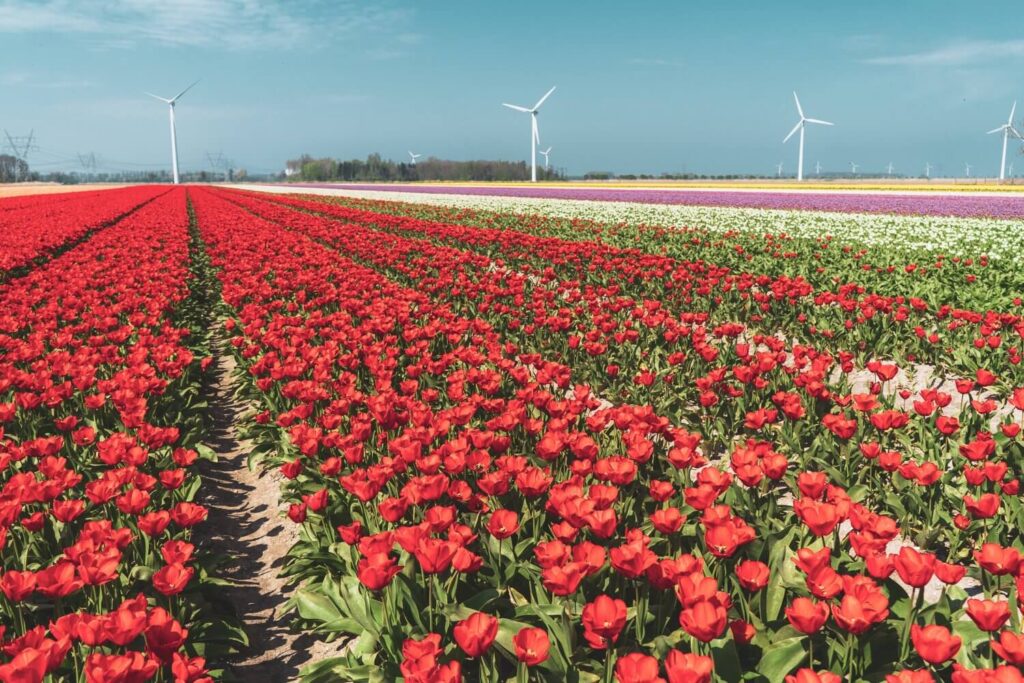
point(377, 169)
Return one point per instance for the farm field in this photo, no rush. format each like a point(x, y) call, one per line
point(513, 435)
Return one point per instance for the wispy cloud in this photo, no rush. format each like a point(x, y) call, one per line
point(225, 24)
point(962, 53)
point(654, 61)
point(29, 80)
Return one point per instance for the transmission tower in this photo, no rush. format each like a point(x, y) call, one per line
point(21, 146)
point(88, 161)
point(220, 162)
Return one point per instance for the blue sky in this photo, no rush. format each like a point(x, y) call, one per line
point(642, 86)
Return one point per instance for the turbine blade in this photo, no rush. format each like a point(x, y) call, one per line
point(996, 130)
point(799, 109)
point(795, 129)
point(515, 106)
point(175, 98)
point(819, 121)
point(1013, 109)
point(157, 97)
point(541, 100)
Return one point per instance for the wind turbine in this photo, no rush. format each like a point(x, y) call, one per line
point(890, 169)
point(817, 168)
point(800, 125)
point(535, 134)
point(778, 170)
point(968, 167)
point(853, 167)
point(414, 157)
point(1009, 171)
point(927, 170)
point(174, 138)
point(544, 153)
point(1007, 130)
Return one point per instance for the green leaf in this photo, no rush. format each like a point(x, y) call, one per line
point(780, 658)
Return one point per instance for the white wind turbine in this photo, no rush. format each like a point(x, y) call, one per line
point(800, 125)
point(544, 153)
point(853, 167)
point(817, 167)
point(414, 157)
point(968, 168)
point(890, 169)
point(174, 137)
point(778, 170)
point(1007, 130)
point(927, 170)
point(535, 133)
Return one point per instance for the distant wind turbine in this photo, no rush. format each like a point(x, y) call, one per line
point(1009, 172)
point(535, 133)
point(800, 125)
point(817, 167)
point(968, 168)
point(853, 167)
point(414, 157)
point(544, 153)
point(1007, 130)
point(174, 137)
point(890, 169)
point(778, 170)
point(927, 170)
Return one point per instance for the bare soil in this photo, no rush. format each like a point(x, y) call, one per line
point(247, 524)
point(20, 189)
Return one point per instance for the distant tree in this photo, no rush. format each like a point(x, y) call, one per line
point(12, 169)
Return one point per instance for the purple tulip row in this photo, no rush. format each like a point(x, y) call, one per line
point(980, 206)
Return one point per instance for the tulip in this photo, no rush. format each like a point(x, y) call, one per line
point(935, 644)
point(603, 620)
point(988, 615)
point(1010, 647)
point(807, 616)
point(476, 633)
point(688, 667)
point(532, 645)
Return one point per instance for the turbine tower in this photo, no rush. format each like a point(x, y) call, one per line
point(817, 168)
point(535, 133)
point(1007, 130)
point(778, 170)
point(174, 138)
point(968, 169)
point(800, 125)
point(544, 153)
point(414, 157)
point(927, 170)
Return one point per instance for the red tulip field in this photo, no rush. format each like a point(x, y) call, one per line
point(511, 446)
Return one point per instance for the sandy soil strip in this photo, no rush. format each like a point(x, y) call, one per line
point(247, 525)
point(20, 189)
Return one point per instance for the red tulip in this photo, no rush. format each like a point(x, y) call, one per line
point(532, 645)
point(806, 615)
point(476, 633)
point(935, 644)
point(688, 667)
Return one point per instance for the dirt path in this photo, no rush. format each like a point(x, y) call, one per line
point(246, 524)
